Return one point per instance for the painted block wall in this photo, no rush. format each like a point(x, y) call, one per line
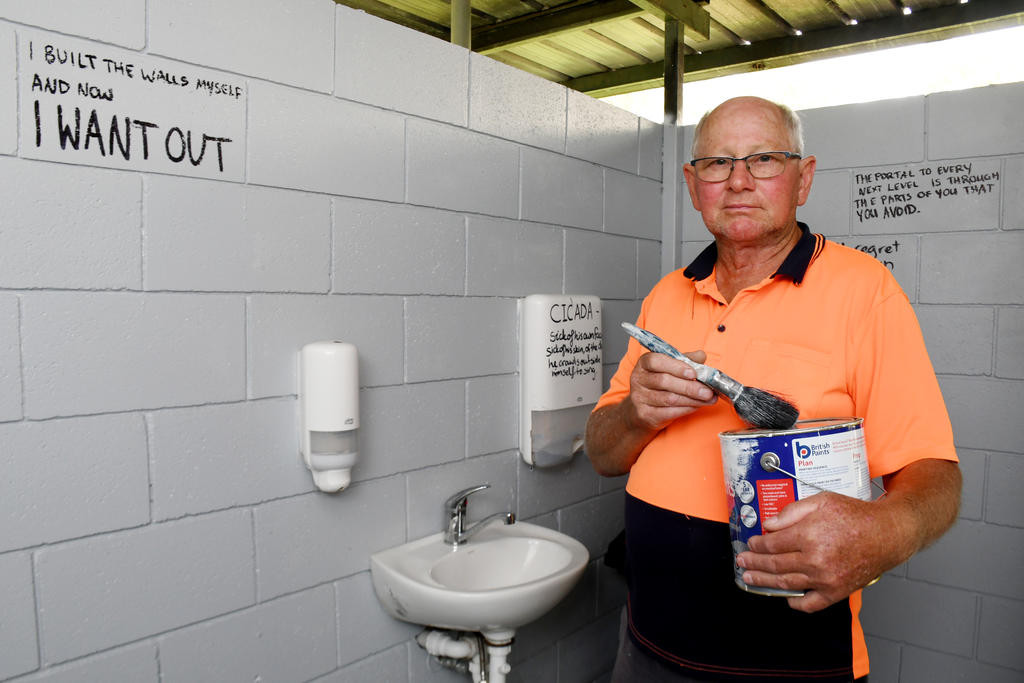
point(954, 612)
point(156, 521)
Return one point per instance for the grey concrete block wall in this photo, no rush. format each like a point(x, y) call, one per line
point(278, 324)
point(874, 133)
point(514, 105)
point(292, 144)
point(10, 360)
point(608, 138)
point(623, 214)
point(422, 248)
point(531, 257)
point(97, 464)
point(8, 90)
point(192, 346)
point(19, 626)
point(121, 22)
point(561, 190)
point(226, 237)
point(309, 25)
point(278, 639)
point(104, 253)
point(459, 169)
point(434, 85)
point(197, 466)
point(171, 575)
point(156, 520)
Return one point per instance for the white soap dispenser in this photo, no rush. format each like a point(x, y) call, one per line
point(329, 412)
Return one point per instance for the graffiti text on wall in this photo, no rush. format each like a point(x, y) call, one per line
point(885, 251)
point(962, 190)
point(86, 103)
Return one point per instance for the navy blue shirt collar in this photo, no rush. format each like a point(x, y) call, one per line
point(794, 266)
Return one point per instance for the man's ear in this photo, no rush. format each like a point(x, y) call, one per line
point(807, 166)
point(691, 185)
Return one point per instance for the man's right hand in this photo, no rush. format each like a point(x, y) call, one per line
point(661, 390)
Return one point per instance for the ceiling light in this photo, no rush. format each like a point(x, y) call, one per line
point(907, 11)
point(798, 32)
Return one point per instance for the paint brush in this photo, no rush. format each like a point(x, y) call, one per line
point(755, 406)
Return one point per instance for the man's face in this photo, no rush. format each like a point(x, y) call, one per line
point(744, 209)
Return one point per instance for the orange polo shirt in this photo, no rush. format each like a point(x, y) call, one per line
point(831, 331)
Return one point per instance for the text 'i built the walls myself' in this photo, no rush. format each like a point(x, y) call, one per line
point(85, 103)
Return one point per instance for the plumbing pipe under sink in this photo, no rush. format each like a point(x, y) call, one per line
point(487, 661)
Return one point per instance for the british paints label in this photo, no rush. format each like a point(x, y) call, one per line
point(832, 462)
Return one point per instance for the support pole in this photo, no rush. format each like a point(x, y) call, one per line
point(672, 133)
point(462, 24)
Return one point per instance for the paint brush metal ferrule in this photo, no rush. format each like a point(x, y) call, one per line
point(724, 384)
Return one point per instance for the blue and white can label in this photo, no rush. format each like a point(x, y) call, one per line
point(765, 470)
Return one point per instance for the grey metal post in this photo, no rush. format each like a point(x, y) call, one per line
point(671, 171)
point(462, 24)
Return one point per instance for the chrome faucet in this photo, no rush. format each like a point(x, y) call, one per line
point(455, 510)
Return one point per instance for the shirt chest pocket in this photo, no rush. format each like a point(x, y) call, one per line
point(811, 379)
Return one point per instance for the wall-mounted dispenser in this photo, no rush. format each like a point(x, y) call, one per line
point(329, 412)
point(560, 374)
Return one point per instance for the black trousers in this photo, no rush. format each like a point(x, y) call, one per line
point(634, 665)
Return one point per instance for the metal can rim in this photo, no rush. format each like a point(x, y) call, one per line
point(801, 427)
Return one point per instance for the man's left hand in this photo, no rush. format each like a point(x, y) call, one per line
point(828, 545)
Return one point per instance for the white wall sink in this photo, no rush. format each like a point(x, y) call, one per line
point(505, 576)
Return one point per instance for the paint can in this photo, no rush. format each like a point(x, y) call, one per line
point(765, 470)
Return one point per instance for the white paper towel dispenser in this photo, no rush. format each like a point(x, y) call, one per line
point(560, 374)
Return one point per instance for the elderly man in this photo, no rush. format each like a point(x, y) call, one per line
point(780, 308)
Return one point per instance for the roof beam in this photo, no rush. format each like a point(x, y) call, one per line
point(774, 17)
point(618, 81)
point(686, 12)
point(547, 23)
point(941, 22)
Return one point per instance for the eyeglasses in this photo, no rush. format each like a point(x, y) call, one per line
point(760, 165)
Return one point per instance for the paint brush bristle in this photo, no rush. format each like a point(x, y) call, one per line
point(765, 410)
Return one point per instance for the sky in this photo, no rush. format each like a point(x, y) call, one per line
point(954, 64)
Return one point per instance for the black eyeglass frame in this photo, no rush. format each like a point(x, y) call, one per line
point(745, 160)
